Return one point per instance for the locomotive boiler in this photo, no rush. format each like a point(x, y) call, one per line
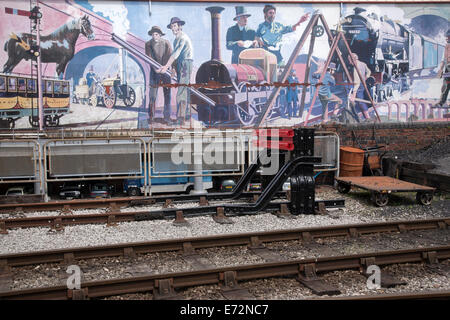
point(394, 52)
point(239, 90)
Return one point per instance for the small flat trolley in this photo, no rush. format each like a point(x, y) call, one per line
point(381, 187)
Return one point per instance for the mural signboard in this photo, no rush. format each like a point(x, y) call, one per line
point(164, 65)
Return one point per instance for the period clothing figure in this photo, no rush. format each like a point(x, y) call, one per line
point(183, 54)
point(158, 49)
point(240, 37)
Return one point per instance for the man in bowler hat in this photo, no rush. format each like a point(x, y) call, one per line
point(239, 36)
point(158, 49)
point(183, 54)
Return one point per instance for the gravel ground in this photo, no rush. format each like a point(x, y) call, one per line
point(157, 263)
point(437, 154)
point(358, 209)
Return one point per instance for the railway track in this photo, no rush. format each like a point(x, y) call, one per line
point(118, 202)
point(423, 295)
point(254, 239)
point(163, 285)
point(220, 213)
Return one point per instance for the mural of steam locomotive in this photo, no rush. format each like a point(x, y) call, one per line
point(394, 53)
point(237, 98)
point(105, 92)
point(19, 98)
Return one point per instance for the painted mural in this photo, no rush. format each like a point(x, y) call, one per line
point(159, 65)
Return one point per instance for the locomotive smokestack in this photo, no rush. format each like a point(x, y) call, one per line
point(215, 29)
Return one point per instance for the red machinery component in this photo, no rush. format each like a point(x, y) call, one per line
point(282, 139)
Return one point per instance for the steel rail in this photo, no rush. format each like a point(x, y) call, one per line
point(122, 201)
point(57, 222)
point(421, 295)
point(214, 276)
point(306, 234)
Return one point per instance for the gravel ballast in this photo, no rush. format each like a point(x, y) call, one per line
point(358, 209)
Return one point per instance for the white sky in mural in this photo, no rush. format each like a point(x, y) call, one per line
point(117, 12)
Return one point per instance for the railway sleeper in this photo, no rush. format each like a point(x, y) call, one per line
point(231, 290)
point(129, 253)
point(308, 277)
point(78, 294)
point(57, 225)
point(284, 212)
point(220, 216)
point(3, 228)
point(258, 248)
point(180, 221)
point(203, 201)
point(112, 222)
point(164, 290)
point(386, 279)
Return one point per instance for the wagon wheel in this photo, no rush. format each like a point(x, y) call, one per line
point(34, 121)
point(343, 187)
point(11, 123)
point(246, 116)
point(109, 97)
point(55, 121)
point(424, 198)
point(93, 100)
point(380, 199)
point(48, 121)
point(130, 97)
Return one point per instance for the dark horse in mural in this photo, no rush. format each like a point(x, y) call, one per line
point(58, 47)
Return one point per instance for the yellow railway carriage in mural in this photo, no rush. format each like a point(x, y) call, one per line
point(19, 98)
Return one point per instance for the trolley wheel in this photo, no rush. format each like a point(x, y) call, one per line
point(34, 121)
point(343, 187)
point(93, 100)
point(377, 172)
point(109, 97)
point(424, 198)
point(380, 199)
point(130, 98)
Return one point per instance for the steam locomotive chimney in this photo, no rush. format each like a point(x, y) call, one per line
point(215, 29)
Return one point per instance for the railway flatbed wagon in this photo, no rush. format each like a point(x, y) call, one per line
point(381, 187)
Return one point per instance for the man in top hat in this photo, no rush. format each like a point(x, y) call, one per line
point(183, 53)
point(270, 33)
point(158, 49)
point(239, 36)
point(445, 65)
point(90, 79)
point(325, 95)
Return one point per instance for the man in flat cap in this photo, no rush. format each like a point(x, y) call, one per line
point(158, 49)
point(183, 53)
point(270, 33)
point(239, 36)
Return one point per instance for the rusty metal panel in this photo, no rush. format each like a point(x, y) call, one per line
point(17, 160)
point(88, 159)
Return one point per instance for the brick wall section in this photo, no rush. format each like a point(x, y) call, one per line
point(400, 136)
